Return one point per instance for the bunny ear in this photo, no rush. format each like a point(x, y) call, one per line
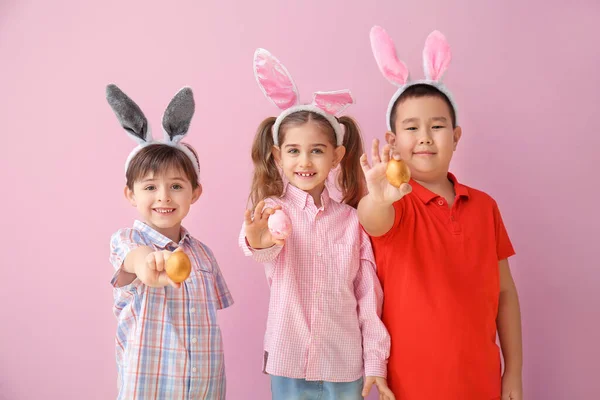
point(384, 51)
point(178, 115)
point(436, 56)
point(129, 114)
point(274, 80)
point(333, 102)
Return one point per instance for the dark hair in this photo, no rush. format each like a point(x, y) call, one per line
point(156, 158)
point(421, 90)
point(266, 180)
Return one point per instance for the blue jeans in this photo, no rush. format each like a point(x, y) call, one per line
point(299, 389)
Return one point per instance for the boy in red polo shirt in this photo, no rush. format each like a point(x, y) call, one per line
point(441, 249)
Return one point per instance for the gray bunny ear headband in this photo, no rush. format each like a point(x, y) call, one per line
point(175, 123)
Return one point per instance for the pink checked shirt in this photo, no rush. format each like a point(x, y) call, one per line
point(325, 306)
point(168, 342)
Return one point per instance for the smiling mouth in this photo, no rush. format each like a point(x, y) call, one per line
point(306, 174)
point(164, 210)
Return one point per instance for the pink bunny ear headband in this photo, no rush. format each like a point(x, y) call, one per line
point(278, 86)
point(436, 58)
point(175, 123)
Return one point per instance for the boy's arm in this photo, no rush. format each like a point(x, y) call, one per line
point(136, 263)
point(149, 270)
point(376, 211)
point(509, 331)
point(134, 257)
point(123, 243)
point(376, 217)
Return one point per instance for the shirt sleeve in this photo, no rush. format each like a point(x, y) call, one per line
point(223, 294)
point(369, 296)
point(121, 243)
point(504, 247)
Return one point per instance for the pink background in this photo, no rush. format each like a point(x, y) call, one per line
point(525, 78)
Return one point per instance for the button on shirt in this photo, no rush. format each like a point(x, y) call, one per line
point(438, 266)
point(168, 343)
point(325, 305)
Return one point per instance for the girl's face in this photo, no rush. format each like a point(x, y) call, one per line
point(306, 157)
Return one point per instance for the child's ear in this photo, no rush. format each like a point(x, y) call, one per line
point(390, 138)
point(129, 195)
point(339, 152)
point(277, 155)
point(457, 135)
point(196, 193)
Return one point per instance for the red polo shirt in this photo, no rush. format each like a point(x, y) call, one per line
point(438, 267)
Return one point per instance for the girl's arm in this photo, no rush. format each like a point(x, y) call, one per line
point(255, 240)
point(369, 297)
point(376, 339)
point(259, 255)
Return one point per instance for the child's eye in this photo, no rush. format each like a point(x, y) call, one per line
point(317, 151)
point(177, 186)
point(412, 128)
point(293, 151)
point(150, 187)
point(438, 127)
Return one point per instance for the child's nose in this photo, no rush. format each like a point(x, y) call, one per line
point(163, 195)
point(305, 160)
point(426, 139)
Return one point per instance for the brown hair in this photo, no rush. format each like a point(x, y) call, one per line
point(417, 91)
point(267, 182)
point(157, 158)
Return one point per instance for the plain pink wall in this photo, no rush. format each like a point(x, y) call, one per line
point(525, 78)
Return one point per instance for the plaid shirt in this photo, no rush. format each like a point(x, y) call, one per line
point(325, 306)
point(168, 343)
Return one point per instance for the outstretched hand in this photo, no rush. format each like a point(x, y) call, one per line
point(380, 189)
point(257, 230)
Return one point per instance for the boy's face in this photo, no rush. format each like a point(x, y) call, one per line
point(163, 200)
point(424, 136)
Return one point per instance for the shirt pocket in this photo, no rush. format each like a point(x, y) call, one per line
point(203, 297)
point(343, 266)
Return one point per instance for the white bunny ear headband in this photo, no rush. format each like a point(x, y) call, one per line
point(278, 86)
point(175, 123)
point(436, 58)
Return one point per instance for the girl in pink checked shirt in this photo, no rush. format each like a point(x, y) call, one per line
point(168, 342)
point(324, 329)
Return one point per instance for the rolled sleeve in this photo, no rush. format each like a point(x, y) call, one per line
point(259, 255)
point(121, 243)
